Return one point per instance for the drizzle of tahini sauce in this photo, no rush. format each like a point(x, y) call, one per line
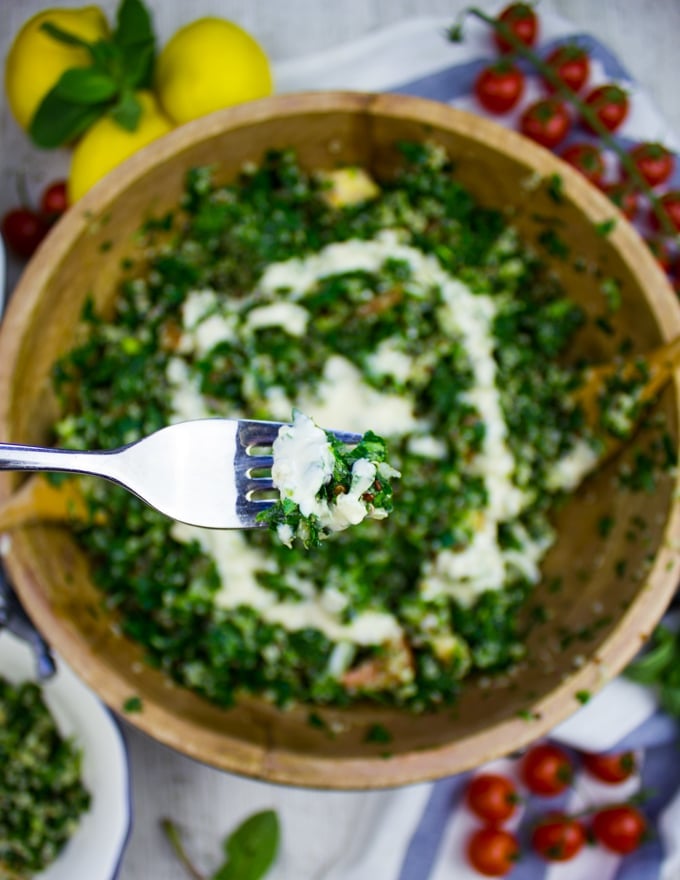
point(345, 401)
point(304, 463)
point(238, 563)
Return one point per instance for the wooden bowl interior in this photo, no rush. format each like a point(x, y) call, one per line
point(594, 621)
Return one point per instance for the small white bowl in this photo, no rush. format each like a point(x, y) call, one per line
point(97, 847)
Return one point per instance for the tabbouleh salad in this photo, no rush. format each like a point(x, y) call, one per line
point(326, 484)
point(407, 310)
point(42, 796)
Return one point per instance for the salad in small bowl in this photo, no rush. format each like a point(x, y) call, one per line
point(66, 765)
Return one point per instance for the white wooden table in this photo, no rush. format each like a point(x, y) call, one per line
point(206, 803)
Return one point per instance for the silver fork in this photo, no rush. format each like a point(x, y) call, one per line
point(213, 473)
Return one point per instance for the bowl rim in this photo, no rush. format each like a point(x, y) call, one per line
point(276, 764)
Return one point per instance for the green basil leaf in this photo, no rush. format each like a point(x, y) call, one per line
point(57, 121)
point(135, 37)
point(670, 699)
point(127, 111)
point(133, 24)
point(63, 36)
point(251, 848)
point(107, 57)
point(137, 66)
point(649, 668)
point(85, 85)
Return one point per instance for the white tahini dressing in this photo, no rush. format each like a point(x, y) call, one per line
point(238, 564)
point(343, 400)
point(303, 464)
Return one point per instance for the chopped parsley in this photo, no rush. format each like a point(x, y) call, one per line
point(325, 484)
point(42, 797)
point(378, 613)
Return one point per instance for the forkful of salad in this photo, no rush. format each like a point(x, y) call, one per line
point(224, 474)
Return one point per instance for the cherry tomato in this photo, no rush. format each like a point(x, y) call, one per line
point(23, 230)
point(547, 770)
point(587, 159)
point(571, 64)
point(54, 200)
point(610, 104)
point(546, 121)
point(521, 19)
point(612, 768)
point(621, 829)
point(493, 851)
point(558, 838)
point(624, 197)
point(653, 161)
point(670, 205)
point(499, 87)
point(492, 797)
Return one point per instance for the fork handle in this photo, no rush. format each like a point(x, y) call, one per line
point(14, 457)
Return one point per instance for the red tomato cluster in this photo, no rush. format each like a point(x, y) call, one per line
point(522, 21)
point(500, 86)
point(23, 228)
point(548, 120)
point(492, 850)
point(570, 64)
point(547, 770)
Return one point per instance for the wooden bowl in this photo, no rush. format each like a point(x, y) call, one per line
point(598, 619)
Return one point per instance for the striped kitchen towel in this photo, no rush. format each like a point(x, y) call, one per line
point(420, 832)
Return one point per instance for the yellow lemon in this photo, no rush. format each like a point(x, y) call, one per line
point(105, 145)
point(36, 60)
point(209, 64)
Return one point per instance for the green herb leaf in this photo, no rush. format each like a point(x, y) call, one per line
point(606, 226)
point(651, 666)
point(85, 85)
point(127, 111)
point(119, 66)
point(251, 848)
point(669, 696)
point(454, 33)
point(555, 188)
point(133, 24)
point(107, 57)
point(133, 704)
point(377, 733)
point(135, 37)
point(175, 840)
point(138, 66)
point(611, 290)
point(63, 36)
point(57, 121)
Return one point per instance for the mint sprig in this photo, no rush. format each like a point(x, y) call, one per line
point(659, 667)
point(82, 95)
point(250, 849)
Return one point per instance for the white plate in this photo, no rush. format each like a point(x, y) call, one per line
point(96, 848)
